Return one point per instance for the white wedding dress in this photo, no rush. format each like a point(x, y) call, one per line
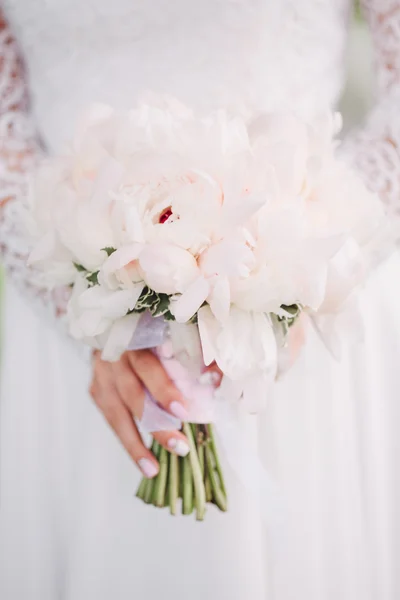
point(70, 527)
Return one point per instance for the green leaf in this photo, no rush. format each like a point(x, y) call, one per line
point(293, 309)
point(109, 250)
point(168, 316)
point(80, 268)
point(288, 316)
point(161, 306)
point(146, 301)
point(93, 278)
point(156, 304)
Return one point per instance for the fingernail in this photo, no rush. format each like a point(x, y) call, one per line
point(180, 447)
point(179, 411)
point(148, 468)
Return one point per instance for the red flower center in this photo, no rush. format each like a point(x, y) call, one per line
point(165, 215)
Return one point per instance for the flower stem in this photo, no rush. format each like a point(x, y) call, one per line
point(187, 490)
point(141, 489)
point(207, 482)
point(218, 467)
point(161, 480)
point(180, 464)
point(148, 494)
point(148, 484)
point(166, 497)
point(218, 494)
point(200, 450)
point(196, 478)
point(200, 495)
point(173, 482)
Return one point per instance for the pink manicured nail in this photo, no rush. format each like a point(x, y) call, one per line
point(180, 447)
point(179, 411)
point(148, 468)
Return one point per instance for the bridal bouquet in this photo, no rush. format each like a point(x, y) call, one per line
point(204, 237)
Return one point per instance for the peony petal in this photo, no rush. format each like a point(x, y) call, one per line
point(346, 323)
point(237, 211)
point(121, 333)
point(347, 270)
point(186, 344)
point(220, 299)
point(266, 339)
point(92, 323)
point(116, 262)
point(190, 301)
point(208, 330)
point(227, 258)
point(110, 175)
point(134, 224)
point(113, 304)
point(168, 269)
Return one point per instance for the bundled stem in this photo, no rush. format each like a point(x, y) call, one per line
point(173, 483)
point(197, 479)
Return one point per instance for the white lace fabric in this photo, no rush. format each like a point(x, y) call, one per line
point(374, 149)
point(19, 153)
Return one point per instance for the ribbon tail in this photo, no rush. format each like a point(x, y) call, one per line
point(155, 418)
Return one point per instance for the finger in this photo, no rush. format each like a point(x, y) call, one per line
point(129, 386)
point(132, 394)
point(120, 420)
point(174, 441)
point(154, 377)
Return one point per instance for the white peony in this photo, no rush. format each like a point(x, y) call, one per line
point(244, 348)
point(230, 219)
point(121, 270)
point(93, 310)
point(167, 269)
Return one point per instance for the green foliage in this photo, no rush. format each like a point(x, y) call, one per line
point(92, 278)
point(80, 268)
point(288, 316)
point(109, 250)
point(157, 304)
point(290, 313)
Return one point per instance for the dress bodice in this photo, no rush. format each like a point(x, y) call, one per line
point(240, 54)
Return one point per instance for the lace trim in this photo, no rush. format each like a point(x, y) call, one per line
point(374, 149)
point(19, 153)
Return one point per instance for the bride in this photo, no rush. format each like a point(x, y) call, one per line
point(70, 528)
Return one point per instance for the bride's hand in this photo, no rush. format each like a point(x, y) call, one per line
point(118, 391)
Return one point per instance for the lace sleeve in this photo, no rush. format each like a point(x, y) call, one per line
point(19, 152)
point(375, 148)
